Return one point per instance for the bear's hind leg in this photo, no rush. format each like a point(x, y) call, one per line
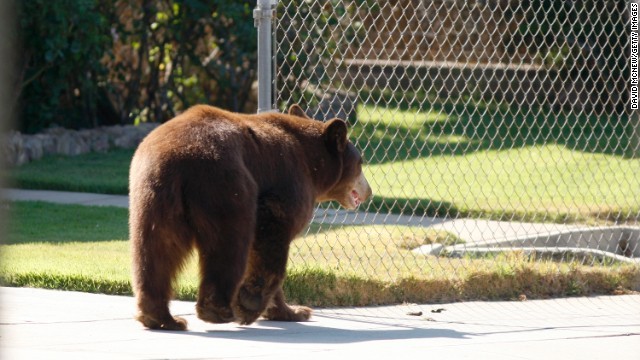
point(154, 269)
point(223, 259)
point(159, 318)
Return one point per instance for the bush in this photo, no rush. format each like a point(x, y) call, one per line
point(62, 44)
point(171, 54)
point(94, 62)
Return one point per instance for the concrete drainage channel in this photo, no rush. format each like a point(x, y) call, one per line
point(613, 243)
point(484, 237)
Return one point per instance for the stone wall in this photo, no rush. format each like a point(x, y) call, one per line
point(18, 148)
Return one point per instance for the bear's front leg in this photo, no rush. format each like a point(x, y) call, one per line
point(280, 217)
point(280, 311)
point(261, 282)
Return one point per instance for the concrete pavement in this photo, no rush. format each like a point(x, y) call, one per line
point(47, 324)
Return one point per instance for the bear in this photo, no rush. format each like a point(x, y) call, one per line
point(237, 188)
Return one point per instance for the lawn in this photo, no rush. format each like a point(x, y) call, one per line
point(449, 161)
point(330, 265)
point(104, 173)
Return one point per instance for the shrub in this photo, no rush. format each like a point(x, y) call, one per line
point(94, 62)
point(171, 54)
point(62, 44)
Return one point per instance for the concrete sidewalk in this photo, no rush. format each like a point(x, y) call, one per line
point(46, 324)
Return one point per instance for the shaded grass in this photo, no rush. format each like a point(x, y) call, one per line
point(33, 222)
point(330, 265)
point(104, 173)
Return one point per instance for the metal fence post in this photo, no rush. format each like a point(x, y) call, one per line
point(263, 15)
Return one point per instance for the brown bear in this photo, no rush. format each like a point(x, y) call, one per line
point(238, 188)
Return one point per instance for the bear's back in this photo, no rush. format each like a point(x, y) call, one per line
point(267, 145)
point(205, 130)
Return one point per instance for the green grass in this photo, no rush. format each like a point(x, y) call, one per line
point(40, 222)
point(330, 265)
point(450, 160)
point(490, 163)
point(104, 173)
point(513, 184)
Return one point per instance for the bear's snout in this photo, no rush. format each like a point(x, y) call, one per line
point(361, 190)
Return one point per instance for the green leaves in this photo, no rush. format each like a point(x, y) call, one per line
point(99, 62)
point(63, 43)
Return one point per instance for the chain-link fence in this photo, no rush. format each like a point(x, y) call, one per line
point(498, 139)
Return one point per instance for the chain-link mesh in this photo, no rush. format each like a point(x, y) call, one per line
point(497, 136)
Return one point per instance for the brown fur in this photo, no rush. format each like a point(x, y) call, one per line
point(238, 188)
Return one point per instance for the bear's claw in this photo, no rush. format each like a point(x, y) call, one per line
point(215, 315)
point(245, 316)
point(171, 323)
point(288, 313)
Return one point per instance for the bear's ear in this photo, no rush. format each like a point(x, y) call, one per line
point(296, 110)
point(335, 135)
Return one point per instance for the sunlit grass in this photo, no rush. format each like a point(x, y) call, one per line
point(35, 222)
point(517, 180)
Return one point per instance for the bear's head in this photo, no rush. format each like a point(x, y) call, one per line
point(352, 188)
